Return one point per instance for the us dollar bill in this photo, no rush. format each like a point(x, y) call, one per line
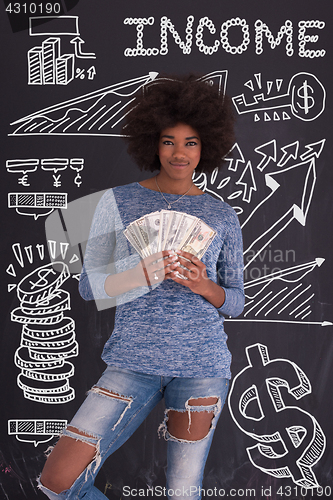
point(170, 222)
point(185, 225)
point(134, 241)
point(140, 229)
point(169, 230)
point(153, 228)
point(198, 239)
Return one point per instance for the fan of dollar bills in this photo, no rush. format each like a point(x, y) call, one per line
point(169, 230)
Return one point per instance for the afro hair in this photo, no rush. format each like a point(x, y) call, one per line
point(167, 101)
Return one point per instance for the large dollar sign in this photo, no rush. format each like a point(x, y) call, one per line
point(290, 440)
point(307, 96)
point(307, 100)
point(42, 281)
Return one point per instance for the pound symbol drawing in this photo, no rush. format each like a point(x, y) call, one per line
point(290, 440)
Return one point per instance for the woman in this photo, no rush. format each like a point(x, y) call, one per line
point(168, 340)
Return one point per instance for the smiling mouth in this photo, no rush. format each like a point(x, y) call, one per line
point(176, 164)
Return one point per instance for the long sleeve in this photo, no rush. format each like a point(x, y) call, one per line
point(99, 249)
point(107, 253)
point(230, 268)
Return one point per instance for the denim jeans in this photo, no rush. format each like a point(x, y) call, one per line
point(110, 420)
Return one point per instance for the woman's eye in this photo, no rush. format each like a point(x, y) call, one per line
point(191, 143)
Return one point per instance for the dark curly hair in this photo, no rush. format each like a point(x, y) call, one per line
point(167, 101)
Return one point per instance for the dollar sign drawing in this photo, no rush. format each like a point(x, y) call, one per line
point(303, 93)
point(42, 274)
point(290, 440)
point(303, 105)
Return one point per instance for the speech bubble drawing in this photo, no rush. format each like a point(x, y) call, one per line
point(54, 164)
point(35, 431)
point(36, 204)
point(77, 164)
point(22, 166)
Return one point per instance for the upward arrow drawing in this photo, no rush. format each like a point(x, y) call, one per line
point(295, 209)
point(268, 151)
point(248, 181)
point(77, 42)
point(289, 151)
point(233, 157)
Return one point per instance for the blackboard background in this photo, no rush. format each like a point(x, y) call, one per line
point(142, 460)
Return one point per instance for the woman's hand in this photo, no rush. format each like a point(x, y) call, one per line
point(197, 279)
point(155, 268)
point(149, 271)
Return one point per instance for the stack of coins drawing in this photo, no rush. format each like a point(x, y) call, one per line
point(48, 337)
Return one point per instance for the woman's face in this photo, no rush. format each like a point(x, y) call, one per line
point(179, 150)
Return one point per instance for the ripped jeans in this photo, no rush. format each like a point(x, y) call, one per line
point(109, 420)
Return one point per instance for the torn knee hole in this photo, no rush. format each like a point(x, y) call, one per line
point(189, 426)
point(208, 401)
point(111, 394)
point(74, 430)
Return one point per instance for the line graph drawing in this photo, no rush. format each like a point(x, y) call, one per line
point(96, 113)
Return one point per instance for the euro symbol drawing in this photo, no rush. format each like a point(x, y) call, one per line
point(290, 440)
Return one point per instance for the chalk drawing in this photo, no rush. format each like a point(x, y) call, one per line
point(46, 64)
point(305, 99)
point(47, 337)
point(55, 165)
point(279, 292)
point(96, 113)
point(289, 440)
point(35, 431)
point(36, 204)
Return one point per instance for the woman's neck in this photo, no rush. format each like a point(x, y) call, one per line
point(172, 186)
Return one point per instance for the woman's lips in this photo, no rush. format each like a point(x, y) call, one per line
point(179, 165)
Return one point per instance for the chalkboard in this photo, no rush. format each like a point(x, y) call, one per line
point(70, 70)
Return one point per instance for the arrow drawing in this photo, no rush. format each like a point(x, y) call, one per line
point(248, 181)
point(268, 151)
point(296, 211)
point(77, 42)
point(233, 157)
point(320, 323)
point(289, 151)
point(285, 274)
point(313, 149)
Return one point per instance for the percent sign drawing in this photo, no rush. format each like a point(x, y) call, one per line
point(305, 97)
point(290, 440)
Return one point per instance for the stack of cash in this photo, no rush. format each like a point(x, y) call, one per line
point(169, 230)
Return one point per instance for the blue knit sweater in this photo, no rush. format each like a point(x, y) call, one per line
point(165, 330)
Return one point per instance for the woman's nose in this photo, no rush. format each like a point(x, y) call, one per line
point(178, 152)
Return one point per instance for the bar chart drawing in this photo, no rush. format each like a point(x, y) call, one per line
point(47, 66)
